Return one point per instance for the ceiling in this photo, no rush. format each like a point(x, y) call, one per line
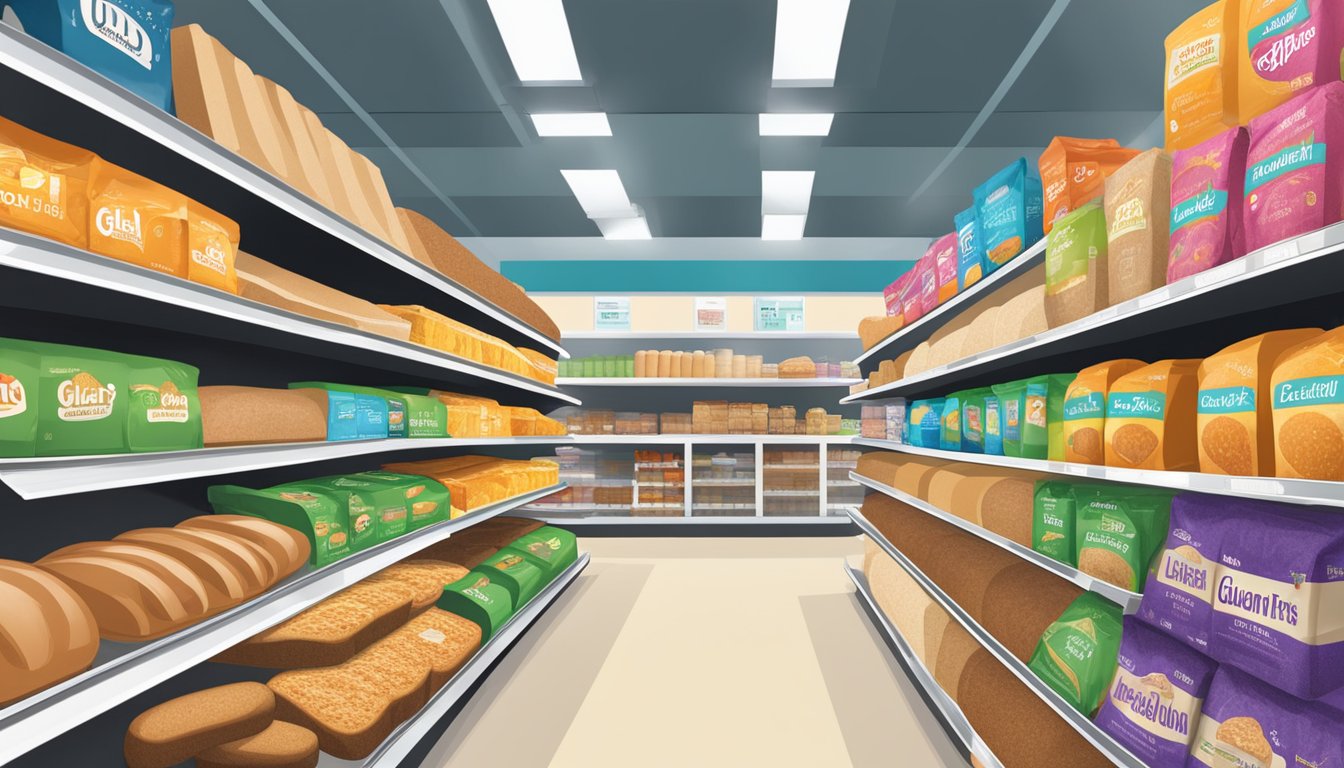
point(683, 81)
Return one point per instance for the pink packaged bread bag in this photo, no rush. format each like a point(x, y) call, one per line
point(1292, 185)
point(944, 251)
point(1206, 189)
point(912, 300)
point(928, 283)
point(892, 294)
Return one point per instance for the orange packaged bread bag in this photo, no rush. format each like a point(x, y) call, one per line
point(1150, 417)
point(1073, 171)
point(1308, 404)
point(43, 185)
point(136, 220)
point(1201, 76)
point(212, 243)
point(1085, 410)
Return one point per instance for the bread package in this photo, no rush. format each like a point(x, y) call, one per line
point(1085, 410)
point(1138, 220)
point(1076, 266)
point(1200, 82)
point(255, 415)
point(1150, 417)
point(1074, 170)
point(1308, 409)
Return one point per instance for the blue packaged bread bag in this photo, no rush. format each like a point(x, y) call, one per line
point(970, 259)
point(124, 40)
point(1008, 211)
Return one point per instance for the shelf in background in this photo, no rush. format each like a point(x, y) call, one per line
point(40, 478)
point(1128, 601)
point(48, 274)
point(47, 714)
point(714, 439)
point(908, 337)
point(945, 708)
point(394, 750)
point(1281, 489)
point(1079, 722)
point(579, 381)
point(577, 522)
point(1285, 273)
point(52, 93)
point(707, 335)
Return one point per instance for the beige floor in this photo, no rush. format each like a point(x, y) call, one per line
point(700, 652)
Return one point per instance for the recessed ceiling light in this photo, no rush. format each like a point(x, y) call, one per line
point(776, 226)
point(786, 191)
point(572, 124)
point(600, 193)
point(536, 35)
point(779, 124)
point(808, 34)
point(633, 228)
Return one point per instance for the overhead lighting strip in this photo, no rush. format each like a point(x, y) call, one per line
point(536, 35)
point(808, 35)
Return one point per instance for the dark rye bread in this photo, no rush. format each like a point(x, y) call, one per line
point(1020, 602)
point(281, 745)
point(177, 729)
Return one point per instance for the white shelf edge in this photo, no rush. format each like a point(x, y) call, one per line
point(954, 306)
point(1280, 489)
point(744, 335)
point(47, 714)
point(650, 381)
point(1128, 601)
point(1080, 723)
point(577, 521)
point(63, 74)
point(1293, 251)
point(713, 439)
point(948, 709)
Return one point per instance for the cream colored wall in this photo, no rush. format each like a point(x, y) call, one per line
point(677, 312)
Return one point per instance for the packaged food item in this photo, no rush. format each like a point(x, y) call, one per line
point(512, 570)
point(1076, 269)
point(481, 598)
point(926, 423)
point(1076, 653)
point(970, 256)
point(1291, 185)
point(1178, 595)
point(1043, 430)
point(387, 418)
point(82, 399)
point(136, 220)
point(1150, 417)
point(928, 283)
point(1284, 47)
point(383, 505)
point(123, 40)
point(950, 437)
point(1073, 171)
point(891, 296)
point(212, 247)
point(551, 549)
point(974, 419)
point(1119, 531)
point(993, 425)
point(19, 388)
point(165, 409)
point(1084, 415)
point(1155, 699)
point(1054, 521)
point(320, 516)
point(1201, 75)
point(1206, 209)
point(912, 301)
point(1138, 212)
point(1308, 409)
point(350, 415)
point(1012, 409)
point(1247, 723)
point(945, 262)
point(1008, 214)
point(43, 185)
point(1235, 417)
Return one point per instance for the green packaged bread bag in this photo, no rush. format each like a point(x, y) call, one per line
point(516, 573)
point(1120, 529)
point(480, 598)
point(1053, 521)
point(82, 401)
point(18, 400)
point(551, 549)
point(1012, 408)
point(322, 517)
point(382, 505)
point(165, 410)
point(1076, 655)
point(973, 418)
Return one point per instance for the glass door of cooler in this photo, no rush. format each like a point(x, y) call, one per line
point(660, 484)
point(841, 492)
point(723, 484)
point(792, 482)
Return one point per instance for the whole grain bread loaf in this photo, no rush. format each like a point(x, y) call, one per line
point(257, 415)
point(177, 729)
point(47, 633)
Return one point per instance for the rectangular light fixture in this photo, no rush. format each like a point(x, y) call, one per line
point(600, 193)
point(633, 228)
point(536, 35)
point(572, 124)
point(808, 34)
point(777, 226)
point(788, 192)
point(780, 124)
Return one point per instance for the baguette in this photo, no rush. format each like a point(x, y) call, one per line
point(256, 567)
point(47, 633)
point(132, 598)
point(285, 544)
point(226, 585)
point(188, 725)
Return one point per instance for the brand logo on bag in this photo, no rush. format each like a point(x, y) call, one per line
point(1193, 57)
point(13, 400)
point(116, 27)
point(211, 258)
point(119, 225)
point(1227, 400)
point(1179, 571)
point(1317, 390)
point(83, 398)
point(1269, 606)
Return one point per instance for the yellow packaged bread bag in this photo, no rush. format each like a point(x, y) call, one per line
point(43, 185)
point(1200, 80)
point(1308, 405)
point(136, 220)
point(1235, 420)
point(1150, 417)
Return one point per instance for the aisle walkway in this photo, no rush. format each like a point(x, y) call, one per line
point(700, 652)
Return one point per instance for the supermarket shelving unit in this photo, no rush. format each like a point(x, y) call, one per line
point(711, 335)
point(579, 382)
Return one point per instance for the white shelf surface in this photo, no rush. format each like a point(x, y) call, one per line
point(40, 478)
point(1281, 489)
point(134, 668)
point(1128, 601)
point(714, 440)
point(711, 335)
point(947, 709)
point(910, 335)
point(651, 381)
point(1187, 292)
point(1108, 747)
point(750, 518)
point(66, 76)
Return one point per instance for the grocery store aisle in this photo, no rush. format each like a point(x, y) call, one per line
point(706, 652)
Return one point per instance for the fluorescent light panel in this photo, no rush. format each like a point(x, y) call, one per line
point(633, 228)
point(600, 193)
point(786, 192)
point(536, 35)
point(808, 34)
point(572, 124)
point(777, 226)
point(780, 124)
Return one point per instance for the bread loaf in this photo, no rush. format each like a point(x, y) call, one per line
point(281, 745)
point(665, 364)
point(133, 597)
point(798, 368)
point(1020, 602)
point(936, 620)
point(875, 329)
point(226, 585)
point(425, 578)
point(246, 560)
point(687, 364)
point(254, 415)
point(47, 633)
point(955, 650)
point(284, 544)
point(189, 725)
point(305, 170)
point(641, 364)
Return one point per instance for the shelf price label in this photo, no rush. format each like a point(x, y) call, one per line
point(783, 313)
point(711, 314)
point(611, 313)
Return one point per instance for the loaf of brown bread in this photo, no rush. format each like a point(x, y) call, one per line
point(285, 544)
point(255, 565)
point(47, 633)
point(177, 729)
point(425, 578)
point(227, 585)
point(281, 745)
point(256, 415)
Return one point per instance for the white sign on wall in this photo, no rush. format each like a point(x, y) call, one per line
point(711, 314)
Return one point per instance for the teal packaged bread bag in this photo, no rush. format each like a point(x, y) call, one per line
point(973, 419)
point(480, 598)
point(550, 549)
point(321, 517)
point(164, 412)
point(1009, 207)
point(926, 423)
point(516, 573)
point(378, 413)
point(18, 400)
point(970, 258)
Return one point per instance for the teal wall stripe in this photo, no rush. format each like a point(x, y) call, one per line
point(610, 276)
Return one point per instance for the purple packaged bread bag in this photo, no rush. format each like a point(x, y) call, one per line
point(1178, 596)
point(1247, 724)
point(1206, 183)
point(1152, 707)
point(1292, 187)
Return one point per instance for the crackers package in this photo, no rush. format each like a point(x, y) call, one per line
point(43, 185)
point(1292, 186)
point(1178, 595)
point(212, 247)
point(1308, 407)
point(1154, 702)
point(944, 251)
point(1235, 420)
point(1119, 531)
point(1206, 190)
point(18, 399)
point(1138, 209)
point(1073, 171)
point(1075, 266)
point(1284, 47)
point(1076, 653)
point(1200, 80)
point(970, 257)
point(1053, 522)
point(1008, 214)
point(136, 220)
point(1084, 414)
point(1248, 724)
point(1150, 417)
